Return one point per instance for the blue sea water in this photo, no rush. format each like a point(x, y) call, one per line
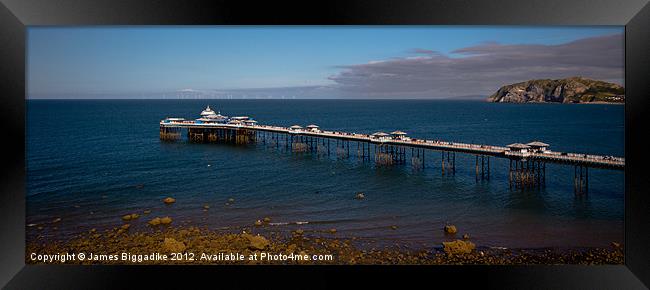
point(91, 161)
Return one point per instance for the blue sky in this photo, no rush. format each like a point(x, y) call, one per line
point(134, 61)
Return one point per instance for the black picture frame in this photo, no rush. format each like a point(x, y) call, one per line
point(16, 15)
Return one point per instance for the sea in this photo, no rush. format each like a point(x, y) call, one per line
point(89, 162)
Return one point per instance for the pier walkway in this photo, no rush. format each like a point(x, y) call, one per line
point(527, 161)
point(589, 160)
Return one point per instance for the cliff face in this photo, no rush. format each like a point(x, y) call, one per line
point(569, 90)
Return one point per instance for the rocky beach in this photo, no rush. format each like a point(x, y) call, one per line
point(210, 247)
point(163, 242)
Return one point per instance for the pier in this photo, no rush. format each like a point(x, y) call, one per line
point(527, 161)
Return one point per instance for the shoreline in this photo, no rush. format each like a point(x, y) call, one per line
point(558, 103)
point(205, 246)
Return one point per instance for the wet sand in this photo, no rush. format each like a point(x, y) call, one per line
point(122, 245)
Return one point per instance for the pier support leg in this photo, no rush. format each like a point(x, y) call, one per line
point(510, 175)
point(580, 179)
point(488, 168)
point(476, 166)
point(443, 162)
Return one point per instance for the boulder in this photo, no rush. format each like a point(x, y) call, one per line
point(267, 220)
point(129, 217)
point(166, 220)
point(450, 229)
point(154, 222)
point(169, 200)
point(458, 247)
point(257, 242)
point(360, 195)
point(172, 245)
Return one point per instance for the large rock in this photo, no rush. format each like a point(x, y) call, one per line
point(169, 200)
point(569, 90)
point(155, 221)
point(458, 247)
point(173, 246)
point(166, 220)
point(256, 242)
point(129, 217)
point(450, 229)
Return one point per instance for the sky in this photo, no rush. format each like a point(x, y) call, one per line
point(396, 62)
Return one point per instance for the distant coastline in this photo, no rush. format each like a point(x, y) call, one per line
point(575, 90)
